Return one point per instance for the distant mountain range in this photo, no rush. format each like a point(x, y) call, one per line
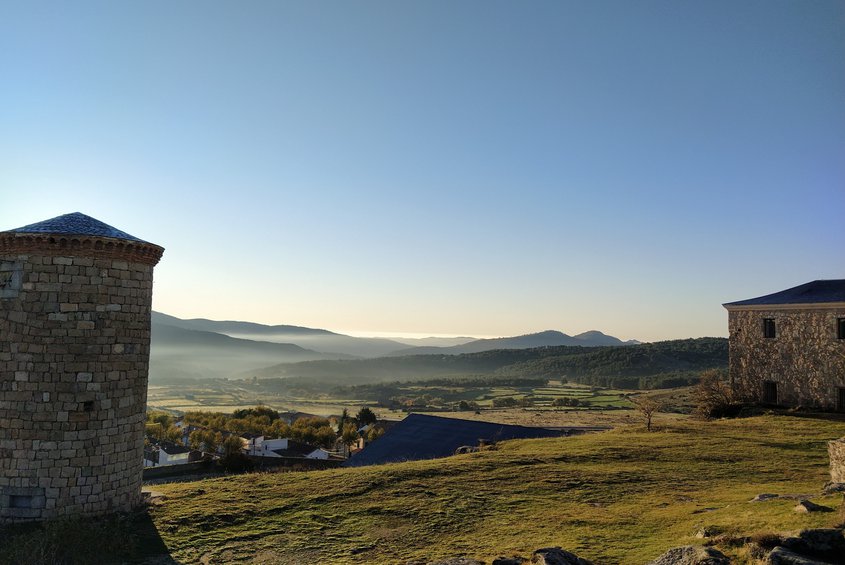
point(323, 341)
point(199, 347)
point(549, 338)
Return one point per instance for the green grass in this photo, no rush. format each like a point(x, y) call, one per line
point(623, 496)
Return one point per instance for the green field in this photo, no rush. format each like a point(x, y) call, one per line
point(623, 496)
point(228, 396)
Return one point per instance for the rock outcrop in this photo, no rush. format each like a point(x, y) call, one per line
point(808, 506)
point(557, 556)
point(692, 555)
point(782, 556)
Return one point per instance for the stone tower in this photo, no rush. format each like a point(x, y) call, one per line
point(75, 298)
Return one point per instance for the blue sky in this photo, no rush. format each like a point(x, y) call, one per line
point(480, 168)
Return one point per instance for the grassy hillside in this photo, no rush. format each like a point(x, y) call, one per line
point(623, 496)
point(619, 497)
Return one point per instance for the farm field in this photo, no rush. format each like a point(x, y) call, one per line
point(533, 405)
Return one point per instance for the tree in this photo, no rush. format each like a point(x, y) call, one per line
point(344, 418)
point(505, 402)
point(232, 445)
point(349, 435)
point(366, 417)
point(374, 433)
point(648, 407)
point(205, 440)
point(713, 395)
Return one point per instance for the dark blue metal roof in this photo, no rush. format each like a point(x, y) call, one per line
point(420, 436)
point(76, 224)
point(815, 292)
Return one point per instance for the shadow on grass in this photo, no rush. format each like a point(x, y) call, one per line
point(116, 538)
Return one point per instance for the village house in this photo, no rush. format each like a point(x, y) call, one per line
point(166, 453)
point(284, 447)
point(788, 348)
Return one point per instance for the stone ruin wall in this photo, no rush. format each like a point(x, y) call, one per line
point(74, 358)
point(805, 358)
point(836, 452)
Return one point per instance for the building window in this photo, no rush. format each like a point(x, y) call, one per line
point(769, 328)
point(840, 328)
point(840, 403)
point(770, 392)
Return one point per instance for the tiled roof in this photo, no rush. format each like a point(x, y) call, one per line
point(76, 224)
point(816, 292)
point(173, 449)
point(420, 436)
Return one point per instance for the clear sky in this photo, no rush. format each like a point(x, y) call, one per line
point(438, 167)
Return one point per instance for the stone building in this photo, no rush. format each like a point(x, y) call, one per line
point(75, 298)
point(788, 348)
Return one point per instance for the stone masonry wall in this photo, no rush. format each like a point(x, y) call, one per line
point(74, 356)
point(805, 359)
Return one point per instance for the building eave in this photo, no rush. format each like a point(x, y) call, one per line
point(805, 306)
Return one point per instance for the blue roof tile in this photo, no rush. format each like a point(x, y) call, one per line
point(816, 292)
point(420, 436)
point(76, 224)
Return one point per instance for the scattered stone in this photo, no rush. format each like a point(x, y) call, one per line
point(692, 555)
point(764, 497)
point(807, 506)
point(782, 556)
point(832, 488)
point(557, 556)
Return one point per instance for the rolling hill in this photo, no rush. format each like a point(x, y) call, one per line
point(323, 341)
point(624, 364)
point(177, 353)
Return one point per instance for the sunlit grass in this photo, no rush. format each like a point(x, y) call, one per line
point(623, 496)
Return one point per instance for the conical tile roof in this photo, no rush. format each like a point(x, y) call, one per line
point(76, 224)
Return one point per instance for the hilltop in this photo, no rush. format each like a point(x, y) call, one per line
point(548, 338)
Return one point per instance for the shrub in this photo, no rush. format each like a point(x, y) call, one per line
point(236, 463)
point(505, 402)
point(713, 396)
point(648, 407)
